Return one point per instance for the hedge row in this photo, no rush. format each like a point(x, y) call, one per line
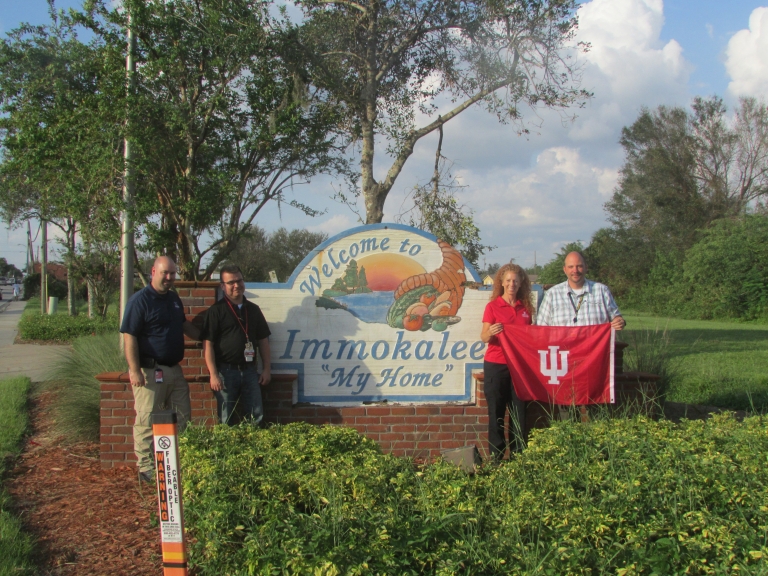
point(614, 496)
point(61, 327)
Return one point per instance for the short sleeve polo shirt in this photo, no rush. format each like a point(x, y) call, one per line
point(156, 320)
point(499, 312)
point(225, 326)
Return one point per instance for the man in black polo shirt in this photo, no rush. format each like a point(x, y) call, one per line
point(233, 327)
point(153, 330)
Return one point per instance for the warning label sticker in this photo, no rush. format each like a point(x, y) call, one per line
point(168, 489)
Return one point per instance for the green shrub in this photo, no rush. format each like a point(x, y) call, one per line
point(609, 497)
point(61, 327)
point(31, 286)
point(649, 351)
point(15, 545)
point(77, 407)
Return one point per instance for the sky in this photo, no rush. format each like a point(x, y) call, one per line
point(531, 195)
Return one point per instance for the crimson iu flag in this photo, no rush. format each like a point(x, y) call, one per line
point(560, 364)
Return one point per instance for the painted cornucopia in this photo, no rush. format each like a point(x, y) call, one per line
point(432, 299)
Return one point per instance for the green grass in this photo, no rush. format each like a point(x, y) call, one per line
point(15, 545)
point(715, 363)
point(77, 409)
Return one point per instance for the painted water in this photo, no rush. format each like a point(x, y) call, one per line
point(371, 307)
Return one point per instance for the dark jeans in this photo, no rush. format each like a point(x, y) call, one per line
point(500, 395)
point(242, 391)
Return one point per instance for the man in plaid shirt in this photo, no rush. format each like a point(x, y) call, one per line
point(578, 301)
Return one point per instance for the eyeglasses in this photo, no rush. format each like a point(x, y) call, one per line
point(233, 282)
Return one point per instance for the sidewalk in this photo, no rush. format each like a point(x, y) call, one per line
point(31, 360)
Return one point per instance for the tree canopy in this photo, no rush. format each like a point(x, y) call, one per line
point(383, 62)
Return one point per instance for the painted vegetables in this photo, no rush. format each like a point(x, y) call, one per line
point(430, 300)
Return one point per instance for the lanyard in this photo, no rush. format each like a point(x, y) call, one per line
point(576, 308)
point(237, 317)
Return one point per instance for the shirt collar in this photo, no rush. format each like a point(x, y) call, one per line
point(587, 287)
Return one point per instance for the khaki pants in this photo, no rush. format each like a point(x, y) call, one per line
point(170, 394)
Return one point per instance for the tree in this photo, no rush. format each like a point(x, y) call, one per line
point(382, 61)
point(59, 135)
point(281, 251)
point(552, 272)
point(436, 209)
point(221, 121)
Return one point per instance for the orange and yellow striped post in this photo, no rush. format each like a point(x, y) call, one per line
point(171, 512)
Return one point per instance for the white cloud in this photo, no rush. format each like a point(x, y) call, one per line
point(334, 225)
point(747, 57)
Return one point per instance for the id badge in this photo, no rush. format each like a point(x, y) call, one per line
point(158, 376)
point(249, 352)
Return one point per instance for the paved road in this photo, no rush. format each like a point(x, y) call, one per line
point(35, 361)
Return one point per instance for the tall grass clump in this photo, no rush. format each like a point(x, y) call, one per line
point(73, 378)
point(626, 497)
point(15, 545)
point(649, 351)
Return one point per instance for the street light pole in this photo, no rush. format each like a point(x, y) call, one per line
point(126, 242)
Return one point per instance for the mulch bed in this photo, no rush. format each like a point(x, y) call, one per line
point(86, 520)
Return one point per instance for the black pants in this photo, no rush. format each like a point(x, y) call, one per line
point(500, 395)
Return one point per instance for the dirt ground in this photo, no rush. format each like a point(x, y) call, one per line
point(87, 521)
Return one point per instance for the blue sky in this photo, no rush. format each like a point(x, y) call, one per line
point(532, 195)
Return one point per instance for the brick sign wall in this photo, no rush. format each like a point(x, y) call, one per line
point(417, 431)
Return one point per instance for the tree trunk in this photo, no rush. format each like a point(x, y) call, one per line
point(90, 298)
point(71, 307)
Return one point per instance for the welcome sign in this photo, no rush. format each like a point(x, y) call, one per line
point(377, 313)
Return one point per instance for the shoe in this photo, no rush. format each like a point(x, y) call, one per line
point(146, 477)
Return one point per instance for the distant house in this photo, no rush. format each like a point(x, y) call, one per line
point(59, 271)
point(488, 280)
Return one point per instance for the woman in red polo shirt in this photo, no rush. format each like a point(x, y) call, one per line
point(510, 304)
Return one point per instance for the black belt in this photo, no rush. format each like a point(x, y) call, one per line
point(151, 363)
point(228, 366)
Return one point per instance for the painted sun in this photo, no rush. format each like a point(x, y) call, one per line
point(384, 272)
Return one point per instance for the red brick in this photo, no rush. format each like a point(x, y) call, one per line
point(403, 428)
point(127, 395)
point(353, 411)
point(182, 292)
point(195, 310)
point(465, 419)
point(402, 445)
point(128, 430)
point(452, 410)
point(441, 436)
point(191, 371)
point(403, 410)
point(367, 420)
point(440, 419)
point(417, 419)
point(377, 428)
point(450, 444)
point(427, 410)
point(427, 445)
point(124, 448)
point(392, 420)
point(210, 301)
point(451, 428)
point(112, 404)
point(372, 435)
point(196, 361)
point(324, 411)
point(106, 464)
point(112, 439)
point(201, 292)
point(378, 411)
point(112, 386)
point(113, 456)
point(475, 411)
point(390, 436)
point(123, 412)
point(113, 421)
point(105, 412)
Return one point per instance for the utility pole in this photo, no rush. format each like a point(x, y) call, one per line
point(126, 241)
point(44, 268)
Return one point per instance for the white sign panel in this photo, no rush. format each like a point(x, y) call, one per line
point(377, 313)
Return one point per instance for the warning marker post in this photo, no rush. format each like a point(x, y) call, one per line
point(171, 514)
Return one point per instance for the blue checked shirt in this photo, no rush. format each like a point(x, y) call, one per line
point(560, 305)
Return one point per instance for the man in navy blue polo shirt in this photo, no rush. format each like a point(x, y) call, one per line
point(153, 330)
